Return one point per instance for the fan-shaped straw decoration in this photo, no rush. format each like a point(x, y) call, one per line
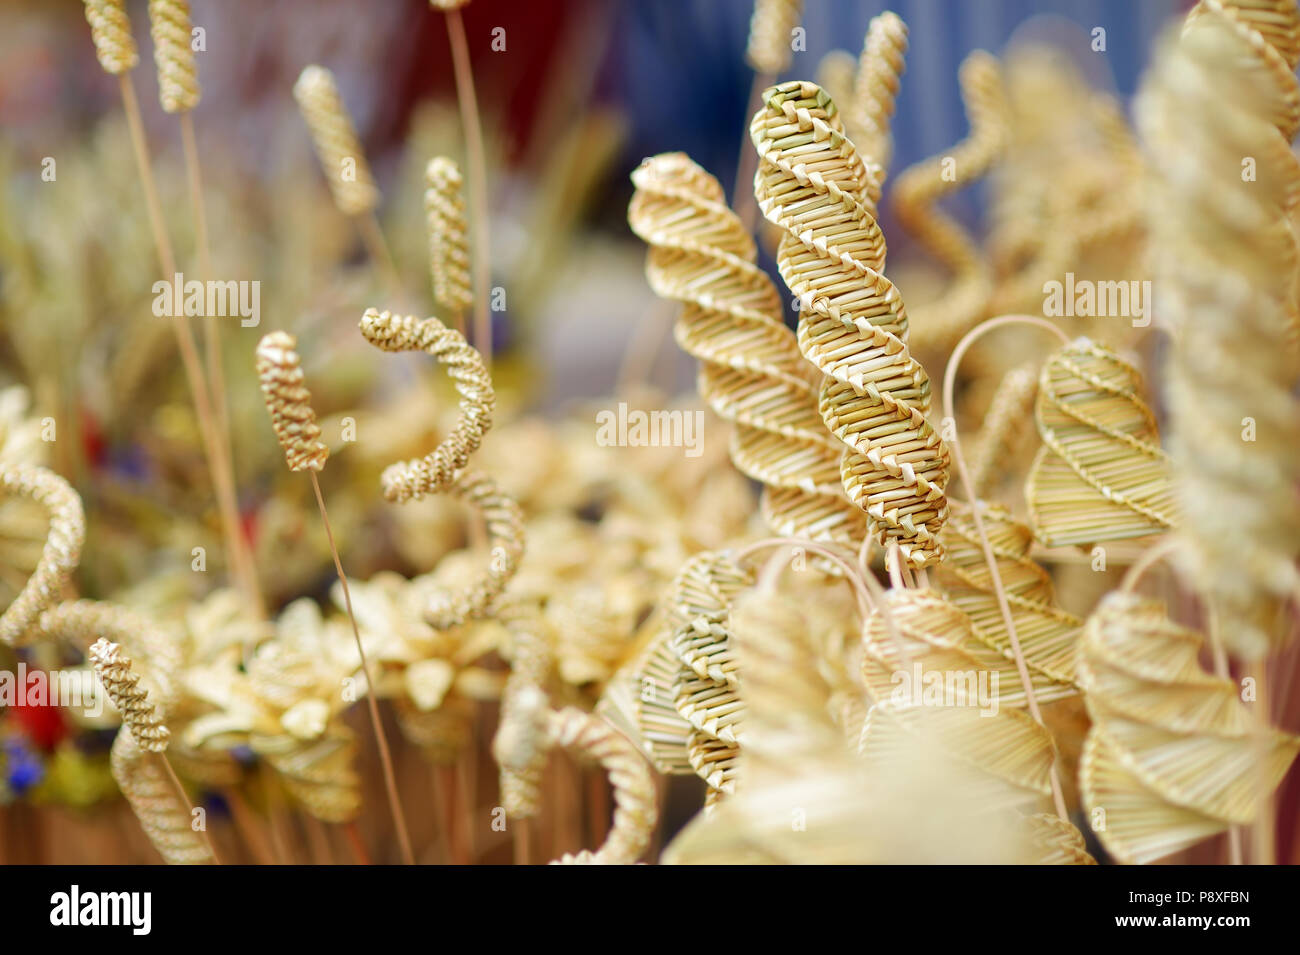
point(61, 552)
point(635, 811)
point(335, 139)
point(751, 370)
point(153, 799)
point(1173, 755)
point(285, 393)
point(770, 35)
point(852, 325)
point(433, 474)
point(1057, 842)
point(1100, 475)
point(1225, 93)
point(444, 209)
point(110, 29)
point(319, 773)
point(1047, 634)
point(178, 74)
point(871, 110)
point(965, 301)
point(139, 714)
point(1007, 422)
point(519, 746)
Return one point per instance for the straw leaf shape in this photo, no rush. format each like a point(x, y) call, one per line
point(769, 49)
point(153, 799)
point(138, 712)
point(751, 370)
point(941, 322)
point(852, 324)
point(1007, 423)
point(444, 209)
point(871, 109)
point(335, 139)
point(1047, 634)
point(1225, 260)
point(59, 556)
point(635, 809)
point(285, 393)
point(110, 29)
point(1100, 475)
point(433, 474)
point(519, 745)
point(319, 772)
point(1173, 755)
point(178, 74)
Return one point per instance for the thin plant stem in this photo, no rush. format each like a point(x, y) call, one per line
point(385, 757)
point(372, 236)
point(189, 806)
point(478, 204)
point(1263, 846)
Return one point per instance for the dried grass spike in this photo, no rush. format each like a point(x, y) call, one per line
point(335, 139)
point(61, 552)
point(444, 209)
point(289, 402)
point(132, 701)
point(178, 74)
point(110, 28)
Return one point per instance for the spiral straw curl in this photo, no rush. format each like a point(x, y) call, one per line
point(59, 557)
point(1225, 258)
point(875, 397)
point(433, 474)
point(110, 29)
point(289, 402)
point(751, 370)
point(770, 28)
point(138, 712)
point(1172, 757)
point(178, 74)
point(1100, 475)
point(966, 300)
point(155, 803)
point(335, 139)
point(880, 71)
point(444, 209)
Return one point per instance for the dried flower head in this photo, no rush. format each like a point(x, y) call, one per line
point(289, 402)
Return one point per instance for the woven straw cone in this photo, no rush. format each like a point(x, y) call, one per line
point(1007, 423)
point(505, 528)
point(635, 810)
point(1173, 756)
point(769, 49)
point(1225, 260)
point(1048, 635)
point(880, 71)
point(164, 819)
point(940, 323)
point(519, 746)
point(433, 474)
point(60, 555)
point(751, 370)
point(285, 393)
point(110, 28)
point(336, 142)
point(178, 74)
point(1100, 475)
point(444, 210)
point(138, 712)
point(319, 773)
point(852, 325)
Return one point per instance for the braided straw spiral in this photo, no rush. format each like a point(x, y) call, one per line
point(336, 141)
point(178, 74)
point(635, 811)
point(289, 402)
point(770, 29)
point(132, 701)
point(433, 474)
point(751, 370)
point(880, 70)
point(155, 803)
point(60, 555)
point(940, 323)
point(875, 397)
point(110, 28)
point(519, 745)
point(444, 210)
point(1100, 475)
point(1173, 756)
point(1224, 94)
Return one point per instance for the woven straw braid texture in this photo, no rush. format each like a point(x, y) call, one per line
point(110, 29)
point(279, 370)
point(60, 555)
point(751, 370)
point(852, 325)
point(939, 324)
point(1173, 755)
point(1007, 423)
point(335, 139)
point(769, 49)
point(138, 712)
point(519, 746)
point(1100, 475)
point(1226, 264)
point(178, 74)
point(164, 819)
point(880, 71)
point(444, 210)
